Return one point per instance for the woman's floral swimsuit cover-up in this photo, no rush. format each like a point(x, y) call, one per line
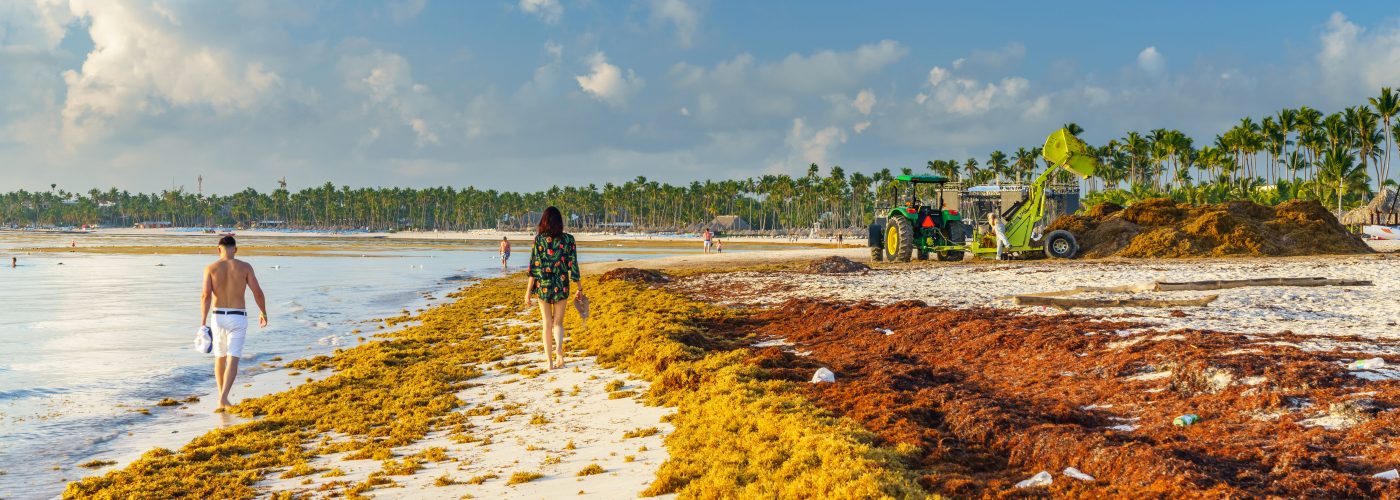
point(553, 263)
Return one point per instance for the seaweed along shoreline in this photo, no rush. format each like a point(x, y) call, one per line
point(418, 410)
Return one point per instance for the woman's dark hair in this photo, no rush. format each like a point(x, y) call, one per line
point(551, 222)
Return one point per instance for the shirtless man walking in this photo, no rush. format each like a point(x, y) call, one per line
point(224, 283)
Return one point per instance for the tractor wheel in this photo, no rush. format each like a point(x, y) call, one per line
point(1061, 245)
point(899, 239)
point(955, 237)
point(877, 254)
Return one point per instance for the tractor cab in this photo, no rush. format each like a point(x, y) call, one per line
point(919, 227)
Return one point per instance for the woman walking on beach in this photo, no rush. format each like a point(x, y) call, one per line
point(553, 264)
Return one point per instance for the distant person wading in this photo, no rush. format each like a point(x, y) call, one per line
point(505, 251)
point(553, 265)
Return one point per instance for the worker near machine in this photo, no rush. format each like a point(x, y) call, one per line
point(875, 240)
point(998, 228)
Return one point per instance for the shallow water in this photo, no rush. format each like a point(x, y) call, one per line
point(87, 339)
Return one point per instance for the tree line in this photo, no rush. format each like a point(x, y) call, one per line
point(1293, 154)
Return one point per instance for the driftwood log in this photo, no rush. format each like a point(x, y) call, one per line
point(1065, 304)
point(1162, 286)
point(1166, 286)
point(1053, 298)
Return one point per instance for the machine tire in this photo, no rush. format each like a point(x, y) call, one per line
point(900, 232)
point(955, 237)
point(1061, 245)
point(877, 254)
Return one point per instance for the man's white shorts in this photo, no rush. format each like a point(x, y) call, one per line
point(229, 330)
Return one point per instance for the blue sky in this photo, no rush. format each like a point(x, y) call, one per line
point(523, 94)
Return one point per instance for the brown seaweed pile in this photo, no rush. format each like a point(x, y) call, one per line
point(836, 265)
point(989, 398)
point(635, 275)
point(1160, 227)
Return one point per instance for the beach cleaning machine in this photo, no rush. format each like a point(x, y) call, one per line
point(923, 230)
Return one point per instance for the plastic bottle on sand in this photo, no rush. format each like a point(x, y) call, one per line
point(1186, 420)
point(1367, 364)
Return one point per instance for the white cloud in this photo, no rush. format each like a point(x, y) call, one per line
point(864, 102)
point(744, 88)
point(607, 82)
point(1151, 61)
point(386, 78)
point(937, 75)
point(830, 69)
point(143, 61)
point(685, 111)
point(405, 10)
point(549, 11)
point(807, 146)
point(1353, 59)
point(860, 127)
point(968, 96)
point(681, 16)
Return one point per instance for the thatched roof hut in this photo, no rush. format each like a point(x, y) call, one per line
point(1383, 209)
point(1356, 217)
point(730, 223)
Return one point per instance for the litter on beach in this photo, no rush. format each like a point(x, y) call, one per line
point(1077, 474)
point(1367, 364)
point(1041, 478)
point(1390, 474)
point(823, 375)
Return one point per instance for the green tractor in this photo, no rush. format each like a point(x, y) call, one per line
point(916, 229)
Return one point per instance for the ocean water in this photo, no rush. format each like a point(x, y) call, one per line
point(86, 339)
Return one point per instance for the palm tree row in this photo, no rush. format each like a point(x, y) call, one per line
point(1295, 153)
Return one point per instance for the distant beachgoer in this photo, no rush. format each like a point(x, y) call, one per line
point(999, 228)
point(708, 237)
point(14, 261)
point(840, 240)
point(719, 246)
point(224, 283)
point(553, 264)
point(505, 251)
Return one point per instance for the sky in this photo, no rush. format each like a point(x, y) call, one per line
point(527, 94)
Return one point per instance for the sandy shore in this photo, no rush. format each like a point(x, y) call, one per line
point(519, 419)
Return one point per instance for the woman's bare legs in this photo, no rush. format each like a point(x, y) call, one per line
point(560, 308)
point(547, 322)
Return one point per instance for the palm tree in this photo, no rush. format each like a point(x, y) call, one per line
point(1339, 169)
point(1387, 105)
point(997, 164)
